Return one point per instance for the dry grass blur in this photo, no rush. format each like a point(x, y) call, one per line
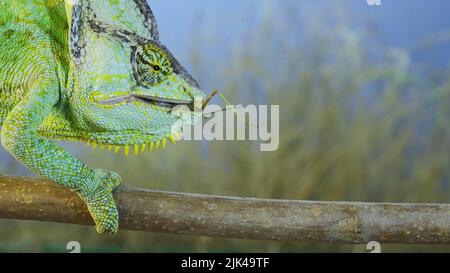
point(358, 123)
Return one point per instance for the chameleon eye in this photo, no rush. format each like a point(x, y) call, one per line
point(156, 67)
point(150, 65)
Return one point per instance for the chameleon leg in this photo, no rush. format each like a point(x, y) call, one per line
point(21, 138)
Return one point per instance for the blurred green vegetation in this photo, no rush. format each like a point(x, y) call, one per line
point(358, 123)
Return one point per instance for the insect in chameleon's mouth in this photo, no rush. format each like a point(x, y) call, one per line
point(151, 100)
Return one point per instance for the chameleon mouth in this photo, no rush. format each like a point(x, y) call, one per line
point(161, 102)
point(167, 103)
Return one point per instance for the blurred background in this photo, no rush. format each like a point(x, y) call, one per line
point(364, 95)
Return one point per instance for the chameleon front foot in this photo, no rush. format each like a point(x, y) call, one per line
point(100, 202)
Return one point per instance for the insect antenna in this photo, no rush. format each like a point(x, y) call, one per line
point(227, 104)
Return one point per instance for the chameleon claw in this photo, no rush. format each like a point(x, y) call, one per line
point(110, 147)
point(136, 149)
point(163, 143)
point(157, 144)
point(100, 202)
point(126, 150)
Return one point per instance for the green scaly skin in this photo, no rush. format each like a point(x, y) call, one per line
point(93, 71)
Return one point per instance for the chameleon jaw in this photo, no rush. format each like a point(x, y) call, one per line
point(166, 103)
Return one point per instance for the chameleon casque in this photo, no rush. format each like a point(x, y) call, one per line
point(93, 71)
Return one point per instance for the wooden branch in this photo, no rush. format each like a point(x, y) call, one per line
point(232, 217)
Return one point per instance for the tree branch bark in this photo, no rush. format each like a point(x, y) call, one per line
point(233, 217)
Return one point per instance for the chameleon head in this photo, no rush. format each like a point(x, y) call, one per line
point(143, 98)
point(126, 89)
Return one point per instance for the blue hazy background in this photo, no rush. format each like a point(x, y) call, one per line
point(364, 95)
point(410, 24)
